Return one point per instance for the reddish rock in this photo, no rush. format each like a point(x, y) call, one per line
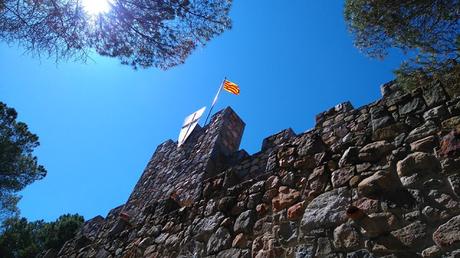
point(367, 205)
point(285, 198)
point(295, 212)
point(239, 241)
point(450, 144)
point(283, 189)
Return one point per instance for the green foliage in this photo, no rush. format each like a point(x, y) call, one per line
point(18, 238)
point(18, 165)
point(21, 238)
point(447, 73)
point(140, 33)
point(428, 29)
point(429, 26)
point(54, 235)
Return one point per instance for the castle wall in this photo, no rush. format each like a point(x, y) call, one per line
point(380, 180)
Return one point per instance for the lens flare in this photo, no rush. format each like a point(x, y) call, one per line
point(95, 7)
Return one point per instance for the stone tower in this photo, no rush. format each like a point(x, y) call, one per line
point(179, 171)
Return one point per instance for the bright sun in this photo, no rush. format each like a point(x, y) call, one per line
point(94, 7)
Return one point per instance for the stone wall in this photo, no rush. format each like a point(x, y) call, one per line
point(380, 180)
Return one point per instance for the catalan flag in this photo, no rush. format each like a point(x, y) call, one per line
point(231, 87)
point(226, 85)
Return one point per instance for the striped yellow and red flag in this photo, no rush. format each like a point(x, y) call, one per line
point(231, 87)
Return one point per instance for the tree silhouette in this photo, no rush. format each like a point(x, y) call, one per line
point(23, 239)
point(18, 166)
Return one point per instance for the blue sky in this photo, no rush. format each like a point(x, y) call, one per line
point(100, 122)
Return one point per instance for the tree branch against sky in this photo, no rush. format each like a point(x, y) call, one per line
point(140, 33)
point(429, 26)
point(18, 166)
point(52, 28)
point(428, 29)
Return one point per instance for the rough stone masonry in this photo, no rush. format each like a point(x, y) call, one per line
point(382, 180)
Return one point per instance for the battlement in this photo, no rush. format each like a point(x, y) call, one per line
point(373, 181)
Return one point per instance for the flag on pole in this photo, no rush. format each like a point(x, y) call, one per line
point(228, 86)
point(231, 87)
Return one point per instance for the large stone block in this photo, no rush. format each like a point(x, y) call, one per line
point(418, 162)
point(412, 235)
point(375, 151)
point(382, 182)
point(341, 176)
point(425, 145)
point(206, 226)
point(326, 210)
point(416, 105)
point(434, 94)
point(219, 241)
point(244, 222)
point(447, 235)
point(427, 129)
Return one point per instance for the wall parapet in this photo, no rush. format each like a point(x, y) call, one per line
point(374, 181)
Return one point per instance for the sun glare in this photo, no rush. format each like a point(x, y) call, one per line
point(95, 7)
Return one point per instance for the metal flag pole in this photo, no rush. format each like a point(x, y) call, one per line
point(215, 100)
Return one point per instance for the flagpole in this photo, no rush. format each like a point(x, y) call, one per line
point(215, 100)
